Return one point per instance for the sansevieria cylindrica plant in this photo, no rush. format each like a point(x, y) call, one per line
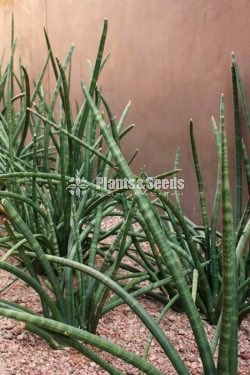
point(62, 234)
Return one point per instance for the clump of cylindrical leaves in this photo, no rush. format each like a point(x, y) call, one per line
point(205, 242)
point(51, 154)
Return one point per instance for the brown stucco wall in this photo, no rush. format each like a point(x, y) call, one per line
point(171, 58)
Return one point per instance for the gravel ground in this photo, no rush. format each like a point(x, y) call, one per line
point(22, 353)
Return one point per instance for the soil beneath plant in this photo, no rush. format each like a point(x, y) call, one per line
point(22, 353)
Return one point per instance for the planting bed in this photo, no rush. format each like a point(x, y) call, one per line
point(22, 353)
